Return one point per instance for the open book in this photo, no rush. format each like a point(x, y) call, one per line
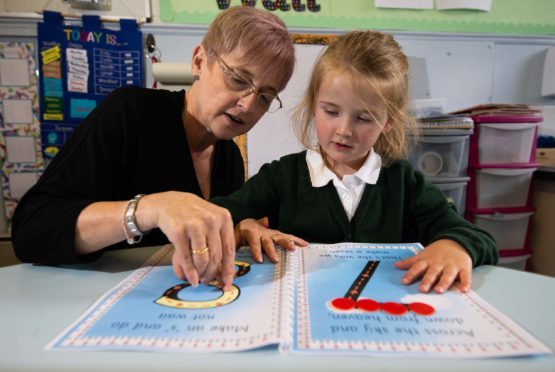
point(342, 298)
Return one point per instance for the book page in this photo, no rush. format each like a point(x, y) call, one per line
point(351, 300)
point(152, 310)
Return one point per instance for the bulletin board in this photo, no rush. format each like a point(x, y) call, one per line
point(517, 17)
point(20, 151)
point(79, 66)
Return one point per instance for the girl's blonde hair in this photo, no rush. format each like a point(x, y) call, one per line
point(259, 36)
point(369, 60)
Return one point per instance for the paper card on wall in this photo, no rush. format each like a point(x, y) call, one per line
point(77, 55)
point(53, 87)
point(78, 68)
point(80, 108)
point(53, 70)
point(53, 136)
point(77, 82)
point(54, 105)
point(548, 76)
point(21, 182)
point(21, 149)
point(12, 51)
point(78, 71)
point(18, 111)
point(14, 72)
point(484, 5)
point(52, 54)
point(53, 117)
point(419, 83)
point(405, 4)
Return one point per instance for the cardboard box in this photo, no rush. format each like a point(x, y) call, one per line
point(546, 156)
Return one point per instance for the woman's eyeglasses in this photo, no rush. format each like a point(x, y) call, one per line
point(266, 101)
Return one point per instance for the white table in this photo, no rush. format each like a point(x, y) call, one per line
point(38, 302)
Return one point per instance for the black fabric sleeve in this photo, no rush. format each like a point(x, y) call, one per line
point(91, 166)
point(133, 142)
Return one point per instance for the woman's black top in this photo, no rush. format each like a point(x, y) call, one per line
point(134, 142)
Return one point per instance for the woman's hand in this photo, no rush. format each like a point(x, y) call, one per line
point(201, 232)
point(260, 238)
point(439, 265)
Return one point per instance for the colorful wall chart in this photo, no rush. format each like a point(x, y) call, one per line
point(79, 66)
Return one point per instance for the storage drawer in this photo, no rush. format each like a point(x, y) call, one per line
point(440, 157)
point(510, 230)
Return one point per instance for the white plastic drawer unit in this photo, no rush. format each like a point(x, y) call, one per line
point(508, 229)
point(503, 143)
point(503, 187)
point(440, 157)
point(514, 262)
point(455, 192)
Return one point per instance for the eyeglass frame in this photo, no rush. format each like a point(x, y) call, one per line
point(229, 72)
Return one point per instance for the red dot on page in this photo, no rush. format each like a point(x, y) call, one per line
point(421, 308)
point(343, 303)
point(367, 304)
point(394, 308)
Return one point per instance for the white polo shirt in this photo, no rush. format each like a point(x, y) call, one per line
point(349, 189)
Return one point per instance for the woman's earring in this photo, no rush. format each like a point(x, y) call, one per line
point(195, 78)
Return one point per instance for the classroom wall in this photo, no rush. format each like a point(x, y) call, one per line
point(118, 8)
point(463, 68)
point(532, 17)
point(475, 62)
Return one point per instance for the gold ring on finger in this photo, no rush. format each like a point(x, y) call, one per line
point(199, 250)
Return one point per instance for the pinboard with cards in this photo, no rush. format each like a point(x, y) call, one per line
point(78, 67)
point(20, 152)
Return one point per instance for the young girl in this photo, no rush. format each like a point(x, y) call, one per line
point(353, 186)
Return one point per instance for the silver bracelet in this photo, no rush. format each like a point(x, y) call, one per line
point(132, 232)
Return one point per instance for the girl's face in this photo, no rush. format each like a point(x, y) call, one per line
point(345, 127)
point(222, 103)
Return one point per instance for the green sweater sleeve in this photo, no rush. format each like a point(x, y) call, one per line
point(401, 207)
point(259, 197)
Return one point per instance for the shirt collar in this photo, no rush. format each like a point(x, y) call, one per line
point(321, 175)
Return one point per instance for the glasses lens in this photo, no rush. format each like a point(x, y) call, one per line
point(268, 102)
point(236, 83)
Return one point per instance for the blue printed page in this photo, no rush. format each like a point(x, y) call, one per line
point(351, 300)
point(152, 310)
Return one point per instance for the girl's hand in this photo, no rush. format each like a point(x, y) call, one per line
point(260, 238)
point(439, 265)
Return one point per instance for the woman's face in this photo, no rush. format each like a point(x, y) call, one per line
point(345, 127)
point(222, 99)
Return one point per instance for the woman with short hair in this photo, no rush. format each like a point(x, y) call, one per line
point(146, 161)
